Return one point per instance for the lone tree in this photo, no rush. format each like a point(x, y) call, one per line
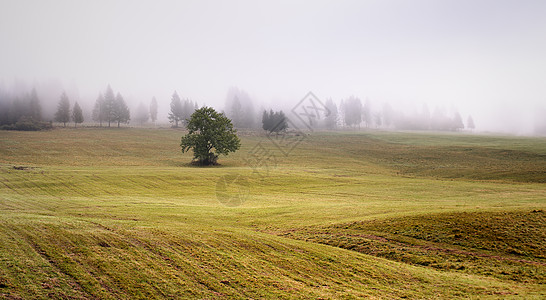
point(77, 115)
point(63, 110)
point(210, 134)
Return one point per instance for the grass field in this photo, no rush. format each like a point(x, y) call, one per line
point(120, 213)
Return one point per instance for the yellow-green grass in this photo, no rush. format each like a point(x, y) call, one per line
point(121, 213)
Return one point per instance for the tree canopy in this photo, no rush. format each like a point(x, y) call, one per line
point(210, 134)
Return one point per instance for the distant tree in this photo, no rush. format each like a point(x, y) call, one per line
point(352, 109)
point(142, 114)
point(424, 119)
point(177, 110)
point(120, 112)
point(153, 110)
point(210, 134)
point(236, 113)
point(77, 114)
point(239, 108)
point(63, 110)
point(99, 113)
point(188, 107)
point(330, 121)
point(377, 120)
point(470, 123)
point(35, 108)
point(388, 115)
point(439, 120)
point(457, 122)
point(274, 121)
point(109, 107)
point(367, 113)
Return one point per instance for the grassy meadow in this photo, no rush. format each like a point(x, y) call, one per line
point(121, 214)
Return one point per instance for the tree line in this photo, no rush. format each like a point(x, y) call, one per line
point(21, 112)
point(110, 109)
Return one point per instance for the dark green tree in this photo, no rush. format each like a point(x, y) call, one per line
point(210, 134)
point(63, 110)
point(77, 114)
point(274, 121)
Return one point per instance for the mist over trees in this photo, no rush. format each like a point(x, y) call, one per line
point(153, 110)
point(63, 110)
point(111, 109)
point(99, 111)
point(77, 114)
point(24, 104)
point(21, 112)
point(274, 121)
point(352, 111)
point(181, 110)
point(142, 115)
point(239, 107)
point(331, 120)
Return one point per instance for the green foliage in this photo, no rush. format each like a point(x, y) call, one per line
point(63, 110)
point(210, 134)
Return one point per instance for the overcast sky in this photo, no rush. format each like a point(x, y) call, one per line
point(487, 58)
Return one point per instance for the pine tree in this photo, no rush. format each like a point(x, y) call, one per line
point(120, 112)
point(35, 108)
point(77, 114)
point(63, 110)
point(177, 110)
point(457, 122)
point(109, 107)
point(142, 114)
point(98, 110)
point(470, 123)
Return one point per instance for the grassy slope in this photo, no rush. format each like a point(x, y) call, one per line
point(118, 213)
